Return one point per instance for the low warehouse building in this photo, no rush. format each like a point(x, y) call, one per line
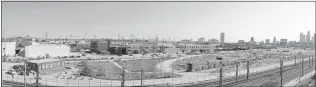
point(47, 66)
point(45, 50)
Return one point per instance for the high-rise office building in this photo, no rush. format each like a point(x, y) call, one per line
point(267, 41)
point(222, 37)
point(313, 39)
point(274, 40)
point(308, 37)
point(252, 39)
point(283, 41)
point(302, 38)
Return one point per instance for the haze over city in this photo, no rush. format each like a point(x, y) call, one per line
point(179, 20)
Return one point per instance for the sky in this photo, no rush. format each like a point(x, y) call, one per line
point(178, 20)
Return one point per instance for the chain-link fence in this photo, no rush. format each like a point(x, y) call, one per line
point(191, 70)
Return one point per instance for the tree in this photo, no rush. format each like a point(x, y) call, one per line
point(47, 55)
point(87, 68)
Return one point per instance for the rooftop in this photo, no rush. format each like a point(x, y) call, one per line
point(48, 45)
point(44, 61)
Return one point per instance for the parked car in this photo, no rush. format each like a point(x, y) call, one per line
point(67, 67)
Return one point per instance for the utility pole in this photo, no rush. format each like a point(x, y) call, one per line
point(71, 36)
point(85, 35)
point(46, 34)
point(4, 30)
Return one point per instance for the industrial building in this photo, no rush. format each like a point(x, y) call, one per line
point(186, 48)
point(8, 48)
point(100, 46)
point(172, 50)
point(46, 66)
point(45, 50)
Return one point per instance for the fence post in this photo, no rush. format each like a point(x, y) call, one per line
point(309, 61)
point(25, 73)
point(281, 72)
point(220, 74)
point(248, 69)
point(141, 77)
point(123, 77)
point(236, 72)
point(172, 76)
point(65, 78)
point(302, 66)
point(295, 60)
point(37, 77)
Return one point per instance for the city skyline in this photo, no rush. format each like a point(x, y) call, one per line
point(239, 21)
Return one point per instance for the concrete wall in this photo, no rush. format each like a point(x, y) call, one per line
point(8, 48)
point(53, 50)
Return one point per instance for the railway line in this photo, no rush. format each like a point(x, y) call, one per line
point(263, 79)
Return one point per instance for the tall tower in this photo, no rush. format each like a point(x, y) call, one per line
point(313, 39)
point(274, 40)
point(46, 34)
point(302, 38)
point(222, 37)
point(308, 37)
point(252, 39)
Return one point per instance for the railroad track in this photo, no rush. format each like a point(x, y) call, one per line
point(260, 78)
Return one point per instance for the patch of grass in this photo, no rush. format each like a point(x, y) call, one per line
point(109, 71)
point(149, 65)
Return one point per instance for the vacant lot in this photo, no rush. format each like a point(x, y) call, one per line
point(108, 70)
point(209, 62)
point(149, 65)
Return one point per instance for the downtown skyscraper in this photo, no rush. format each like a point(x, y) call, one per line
point(302, 38)
point(274, 40)
point(222, 40)
point(308, 37)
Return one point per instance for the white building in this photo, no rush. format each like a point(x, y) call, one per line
point(42, 50)
point(186, 48)
point(8, 48)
